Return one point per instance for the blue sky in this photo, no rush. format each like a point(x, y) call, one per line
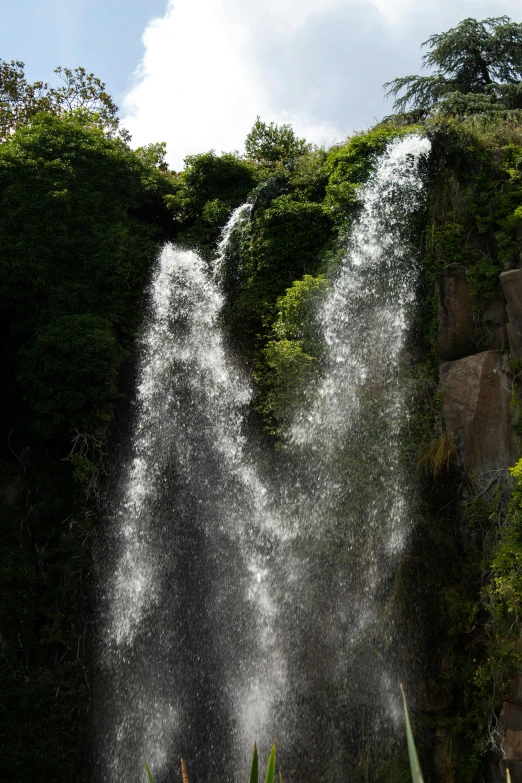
point(196, 73)
point(102, 35)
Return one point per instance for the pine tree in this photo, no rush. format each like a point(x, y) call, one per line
point(478, 68)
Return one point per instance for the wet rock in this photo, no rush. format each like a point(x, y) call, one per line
point(477, 396)
point(455, 316)
point(495, 324)
point(514, 332)
point(494, 769)
point(512, 284)
point(467, 326)
point(511, 720)
point(517, 689)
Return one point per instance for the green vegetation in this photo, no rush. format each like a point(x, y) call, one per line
point(81, 219)
point(81, 216)
point(288, 360)
point(272, 146)
point(80, 92)
point(204, 195)
point(478, 68)
point(416, 773)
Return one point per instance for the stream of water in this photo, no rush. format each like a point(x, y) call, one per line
point(240, 603)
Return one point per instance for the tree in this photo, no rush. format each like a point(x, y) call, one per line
point(273, 144)
point(478, 67)
point(81, 92)
point(19, 100)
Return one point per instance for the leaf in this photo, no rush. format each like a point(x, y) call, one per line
point(270, 773)
point(254, 772)
point(508, 775)
point(147, 770)
point(280, 778)
point(416, 773)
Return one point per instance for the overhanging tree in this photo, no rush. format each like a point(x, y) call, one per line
point(478, 68)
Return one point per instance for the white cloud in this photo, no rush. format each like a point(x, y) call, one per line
point(211, 66)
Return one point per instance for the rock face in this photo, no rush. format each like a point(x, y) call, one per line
point(477, 396)
point(464, 327)
point(455, 317)
point(512, 284)
point(511, 722)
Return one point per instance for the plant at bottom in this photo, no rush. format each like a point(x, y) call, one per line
point(416, 773)
point(270, 772)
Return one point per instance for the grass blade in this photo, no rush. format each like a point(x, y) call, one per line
point(416, 773)
point(149, 773)
point(254, 772)
point(184, 773)
point(280, 778)
point(270, 773)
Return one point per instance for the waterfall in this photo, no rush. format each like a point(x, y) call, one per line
point(238, 219)
point(188, 592)
point(357, 505)
point(239, 603)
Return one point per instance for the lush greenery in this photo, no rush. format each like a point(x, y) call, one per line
point(81, 216)
point(81, 219)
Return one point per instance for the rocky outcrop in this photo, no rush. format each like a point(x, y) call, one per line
point(456, 328)
point(464, 326)
point(512, 285)
point(476, 409)
point(509, 732)
point(511, 720)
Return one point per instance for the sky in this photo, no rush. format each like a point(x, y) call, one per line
point(197, 73)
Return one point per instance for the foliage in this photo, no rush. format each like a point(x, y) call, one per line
point(284, 241)
point(74, 274)
point(478, 67)
point(416, 773)
point(272, 145)
point(288, 360)
point(309, 176)
point(70, 370)
point(254, 769)
point(505, 588)
point(81, 216)
point(475, 192)
point(438, 456)
point(483, 277)
point(270, 772)
point(204, 195)
point(80, 92)
point(348, 168)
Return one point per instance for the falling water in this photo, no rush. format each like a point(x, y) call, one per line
point(237, 605)
point(355, 497)
point(188, 649)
